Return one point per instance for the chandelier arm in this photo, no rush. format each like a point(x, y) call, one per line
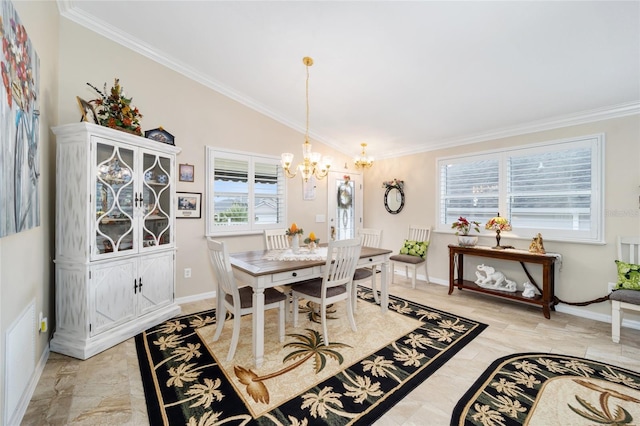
point(288, 173)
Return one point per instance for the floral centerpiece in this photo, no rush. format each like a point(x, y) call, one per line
point(115, 110)
point(312, 239)
point(294, 230)
point(464, 226)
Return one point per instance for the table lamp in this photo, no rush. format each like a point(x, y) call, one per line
point(498, 224)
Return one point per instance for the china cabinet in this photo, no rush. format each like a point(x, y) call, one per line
point(115, 237)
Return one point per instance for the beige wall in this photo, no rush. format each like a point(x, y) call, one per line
point(70, 56)
point(585, 268)
point(26, 268)
point(197, 117)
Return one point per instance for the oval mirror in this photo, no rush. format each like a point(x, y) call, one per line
point(394, 199)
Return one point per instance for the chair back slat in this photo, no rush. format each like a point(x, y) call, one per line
point(276, 239)
point(370, 237)
point(419, 233)
point(342, 258)
point(222, 268)
point(629, 249)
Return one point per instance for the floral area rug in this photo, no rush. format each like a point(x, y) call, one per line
point(354, 379)
point(548, 389)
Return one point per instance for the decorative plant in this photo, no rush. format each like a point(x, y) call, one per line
point(311, 239)
point(464, 226)
point(294, 230)
point(115, 110)
point(394, 182)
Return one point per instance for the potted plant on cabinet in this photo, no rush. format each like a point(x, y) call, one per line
point(463, 227)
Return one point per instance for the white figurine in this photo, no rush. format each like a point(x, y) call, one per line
point(494, 279)
point(530, 290)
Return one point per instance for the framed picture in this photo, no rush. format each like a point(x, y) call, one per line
point(189, 205)
point(160, 135)
point(186, 173)
point(88, 113)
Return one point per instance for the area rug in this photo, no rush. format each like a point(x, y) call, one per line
point(549, 389)
point(353, 380)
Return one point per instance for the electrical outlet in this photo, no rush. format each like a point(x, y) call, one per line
point(610, 287)
point(42, 323)
point(187, 272)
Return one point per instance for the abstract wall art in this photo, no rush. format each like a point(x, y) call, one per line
point(19, 126)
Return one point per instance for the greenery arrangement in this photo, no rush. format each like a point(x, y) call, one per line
point(464, 226)
point(115, 110)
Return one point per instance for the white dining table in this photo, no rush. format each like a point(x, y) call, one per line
point(263, 269)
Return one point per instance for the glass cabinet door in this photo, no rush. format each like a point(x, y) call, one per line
point(114, 199)
point(156, 199)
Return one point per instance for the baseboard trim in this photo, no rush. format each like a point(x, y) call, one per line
point(196, 297)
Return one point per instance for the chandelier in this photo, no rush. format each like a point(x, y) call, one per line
point(313, 163)
point(363, 161)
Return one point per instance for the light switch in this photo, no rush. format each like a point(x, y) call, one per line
point(320, 218)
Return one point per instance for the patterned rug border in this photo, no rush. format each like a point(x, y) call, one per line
point(396, 304)
point(461, 411)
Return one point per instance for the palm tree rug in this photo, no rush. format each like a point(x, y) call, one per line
point(354, 380)
point(548, 389)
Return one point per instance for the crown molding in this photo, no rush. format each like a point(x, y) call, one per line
point(585, 117)
point(67, 10)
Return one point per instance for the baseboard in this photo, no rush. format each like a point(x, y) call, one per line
point(15, 418)
point(196, 297)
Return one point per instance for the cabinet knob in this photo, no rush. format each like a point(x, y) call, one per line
point(295, 274)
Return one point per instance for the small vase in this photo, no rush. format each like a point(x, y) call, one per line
point(295, 243)
point(467, 240)
point(312, 247)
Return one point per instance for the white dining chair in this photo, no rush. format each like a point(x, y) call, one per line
point(628, 252)
point(370, 238)
point(416, 233)
point(334, 286)
point(276, 239)
point(238, 300)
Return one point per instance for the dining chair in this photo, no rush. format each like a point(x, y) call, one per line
point(624, 299)
point(238, 301)
point(416, 233)
point(370, 238)
point(276, 239)
point(334, 286)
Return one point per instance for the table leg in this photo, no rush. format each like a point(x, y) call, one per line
point(258, 326)
point(384, 287)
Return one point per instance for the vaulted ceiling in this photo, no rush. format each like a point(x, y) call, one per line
point(404, 77)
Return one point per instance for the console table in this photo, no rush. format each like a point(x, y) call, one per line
point(546, 299)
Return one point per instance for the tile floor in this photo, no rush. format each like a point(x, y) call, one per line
point(106, 389)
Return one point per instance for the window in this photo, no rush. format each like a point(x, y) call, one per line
point(554, 188)
point(245, 193)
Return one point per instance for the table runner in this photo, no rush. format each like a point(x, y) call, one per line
point(320, 253)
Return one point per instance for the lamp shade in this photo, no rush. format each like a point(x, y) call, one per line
point(498, 224)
